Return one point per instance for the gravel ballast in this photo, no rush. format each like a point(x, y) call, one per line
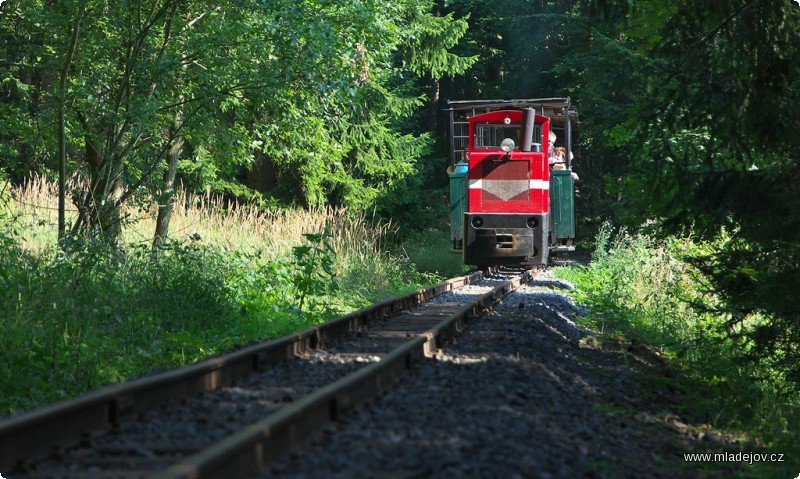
point(525, 392)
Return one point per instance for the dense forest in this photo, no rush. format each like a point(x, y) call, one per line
point(689, 114)
point(689, 118)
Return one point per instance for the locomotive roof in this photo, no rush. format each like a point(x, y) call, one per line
point(550, 107)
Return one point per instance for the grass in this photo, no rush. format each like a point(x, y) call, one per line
point(90, 313)
point(430, 251)
point(641, 289)
point(221, 224)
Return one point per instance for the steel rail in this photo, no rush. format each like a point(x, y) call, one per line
point(251, 450)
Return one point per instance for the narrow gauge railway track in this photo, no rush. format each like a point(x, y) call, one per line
point(233, 414)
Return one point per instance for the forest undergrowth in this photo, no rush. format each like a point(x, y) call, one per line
point(645, 292)
point(86, 313)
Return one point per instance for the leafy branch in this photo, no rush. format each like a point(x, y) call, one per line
point(314, 263)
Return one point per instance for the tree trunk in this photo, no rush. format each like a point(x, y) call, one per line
point(166, 200)
point(103, 207)
point(62, 124)
point(434, 93)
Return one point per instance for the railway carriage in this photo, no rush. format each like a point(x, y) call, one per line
point(511, 195)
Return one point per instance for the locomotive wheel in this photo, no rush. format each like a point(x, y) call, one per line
point(487, 270)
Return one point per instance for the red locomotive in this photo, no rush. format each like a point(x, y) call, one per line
point(511, 187)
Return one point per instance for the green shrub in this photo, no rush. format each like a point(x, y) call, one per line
point(648, 291)
point(94, 313)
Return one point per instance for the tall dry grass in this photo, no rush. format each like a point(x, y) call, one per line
point(227, 225)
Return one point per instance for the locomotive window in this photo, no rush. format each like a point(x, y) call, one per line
point(490, 136)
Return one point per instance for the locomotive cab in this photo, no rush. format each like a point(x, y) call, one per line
point(515, 209)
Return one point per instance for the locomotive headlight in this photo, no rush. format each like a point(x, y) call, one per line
point(477, 221)
point(507, 145)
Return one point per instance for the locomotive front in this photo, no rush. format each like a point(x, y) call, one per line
point(501, 188)
point(507, 182)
